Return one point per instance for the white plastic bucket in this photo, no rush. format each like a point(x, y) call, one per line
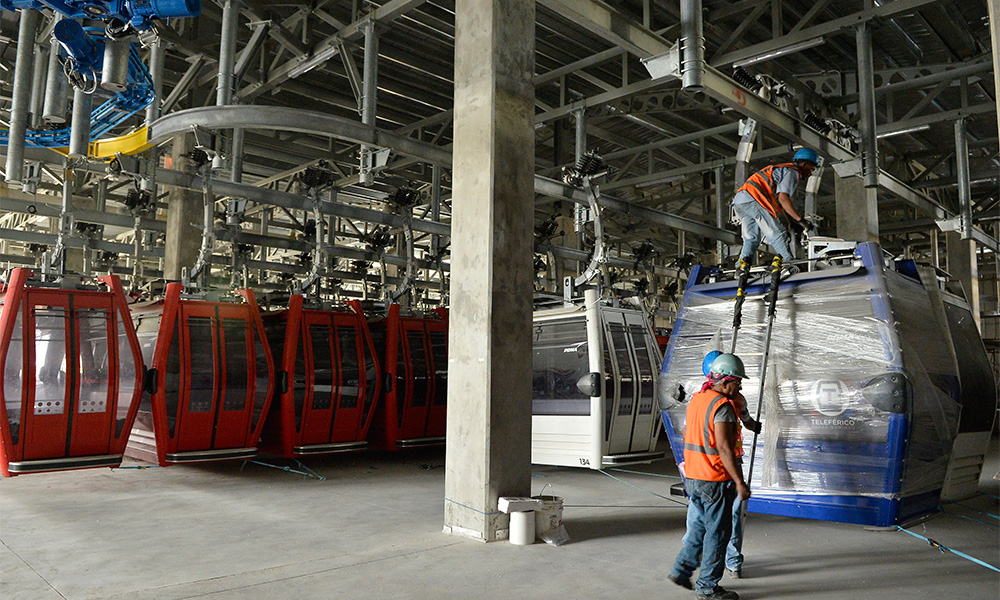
point(549, 516)
point(522, 528)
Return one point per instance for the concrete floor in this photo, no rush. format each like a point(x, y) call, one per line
point(372, 530)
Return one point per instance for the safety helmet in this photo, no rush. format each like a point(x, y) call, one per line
point(729, 364)
point(807, 154)
point(706, 365)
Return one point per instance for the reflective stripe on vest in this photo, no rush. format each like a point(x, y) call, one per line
point(761, 186)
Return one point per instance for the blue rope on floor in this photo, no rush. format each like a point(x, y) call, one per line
point(644, 473)
point(639, 488)
point(997, 517)
point(944, 549)
point(475, 510)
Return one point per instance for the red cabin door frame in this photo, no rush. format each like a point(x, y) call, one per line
point(437, 409)
point(215, 339)
point(347, 338)
point(322, 375)
point(57, 422)
point(413, 337)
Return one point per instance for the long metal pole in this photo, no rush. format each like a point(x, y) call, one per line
point(772, 303)
point(56, 86)
point(579, 211)
point(369, 100)
point(227, 58)
point(79, 133)
point(866, 105)
point(962, 171)
point(156, 52)
point(20, 103)
point(692, 45)
point(38, 85)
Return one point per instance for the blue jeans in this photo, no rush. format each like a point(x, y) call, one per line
point(758, 225)
point(709, 520)
point(734, 551)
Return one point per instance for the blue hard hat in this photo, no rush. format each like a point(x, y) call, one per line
point(706, 365)
point(807, 154)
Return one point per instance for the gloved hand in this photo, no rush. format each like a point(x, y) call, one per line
point(797, 227)
point(754, 426)
point(808, 226)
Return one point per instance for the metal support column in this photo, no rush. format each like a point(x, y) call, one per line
point(369, 100)
point(866, 105)
point(79, 134)
point(56, 86)
point(156, 52)
point(964, 185)
point(19, 106)
point(692, 45)
point(579, 210)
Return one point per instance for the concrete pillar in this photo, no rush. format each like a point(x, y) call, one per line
point(857, 209)
point(964, 266)
point(489, 373)
point(184, 216)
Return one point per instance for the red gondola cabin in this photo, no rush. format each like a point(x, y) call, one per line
point(210, 380)
point(72, 376)
point(413, 352)
point(330, 381)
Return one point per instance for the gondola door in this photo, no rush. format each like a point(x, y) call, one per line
point(413, 339)
point(323, 376)
point(437, 337)
point(74, 340)
point(647, 357)
point(216, 351)
point(349, 385)
point(622, 410)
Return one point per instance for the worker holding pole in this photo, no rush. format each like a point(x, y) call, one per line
point(713, 479)
point(764, 196)
point(734, 551)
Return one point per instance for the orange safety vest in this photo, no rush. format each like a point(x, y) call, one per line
point(761, 186)
point(701, 455)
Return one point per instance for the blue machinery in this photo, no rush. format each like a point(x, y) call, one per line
point(139, 14)
point(84, 51)
point(872, 375)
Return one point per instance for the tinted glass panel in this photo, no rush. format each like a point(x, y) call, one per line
point(261, 380)
point(234, 333)
point(418, 359)
point(202, 365)
point(370, 375)
point(350, 371)
point(172, 379)
point(299, 380)
point(401, 382)
point(93, 361)
point(560, 357)
point(979, 399)
point(126, 376)
point(322, 367)
point(645, 370)
point(50, 360)
point(624, 359)
point(439, 352)
point(13, 384)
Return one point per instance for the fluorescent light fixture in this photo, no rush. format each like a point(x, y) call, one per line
point(902, 131)
point(790, 49)
point(313, 61)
